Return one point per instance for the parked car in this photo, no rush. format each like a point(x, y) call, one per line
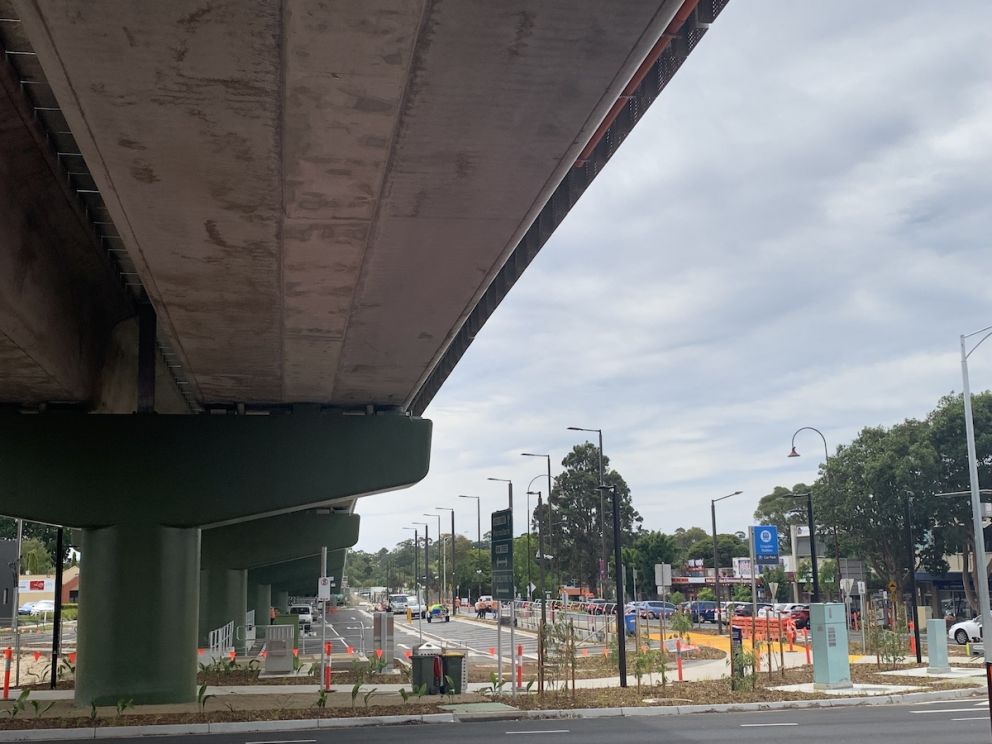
point(414, 605)
point(305, 614)
point(397, 603)
point(43, 607)
point(701, 611)
point(438, 612)
point(596, 606)
point(966, 630)
point(745, 609)
point(25, 609)
point(656, 609)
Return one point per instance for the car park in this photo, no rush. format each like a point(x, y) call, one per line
point(965, 631)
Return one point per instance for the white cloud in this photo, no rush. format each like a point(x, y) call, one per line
point(794, 235)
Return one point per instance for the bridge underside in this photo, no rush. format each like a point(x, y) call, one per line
point(291, 219)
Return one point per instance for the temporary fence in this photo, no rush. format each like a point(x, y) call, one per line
point(221, 641)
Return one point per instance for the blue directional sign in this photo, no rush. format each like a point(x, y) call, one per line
point(765, 543)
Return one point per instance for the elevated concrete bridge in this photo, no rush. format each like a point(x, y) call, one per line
point(257, 236)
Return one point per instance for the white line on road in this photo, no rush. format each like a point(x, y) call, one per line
point(547, 731)
point(977, 718)
point(944, 710)
point(756, 725)
point(284, 741)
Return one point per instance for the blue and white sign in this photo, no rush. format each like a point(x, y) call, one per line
point(765, 543)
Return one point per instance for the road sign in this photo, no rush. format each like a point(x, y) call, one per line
point(892, 587)
point(765, 544)
point(324, 584)
point(663, 574)
point(847, 584)
point(861, 588)
point(502, 554)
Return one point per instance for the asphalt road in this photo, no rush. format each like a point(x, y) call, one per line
point(960, 720)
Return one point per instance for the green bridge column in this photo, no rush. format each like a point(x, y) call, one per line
point(260, 600)
point(281, 600)
point(151, 658)
point(226, 596)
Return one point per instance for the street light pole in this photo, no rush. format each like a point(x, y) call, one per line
point(716, 560)
point(621, 630)
point(442, 588)
point(812, 539)
point(427, 562)
point(604, 571)
point(911, 547)
point(454, 588)
point(513, 602)
point(826, 477)
point(478, 517)
point(981, 557)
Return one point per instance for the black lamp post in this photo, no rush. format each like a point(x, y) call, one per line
point(716, 560)
point(621, 630)
point(812, 539)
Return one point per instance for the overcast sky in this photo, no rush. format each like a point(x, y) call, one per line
point(795, 235)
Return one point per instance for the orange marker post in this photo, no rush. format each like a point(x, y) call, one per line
point(8, 655)
point(678, 657)
point(520, 665)
point(806, 635)
point(327, 669)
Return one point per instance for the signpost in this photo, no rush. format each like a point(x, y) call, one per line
point(765, 544)
point(501, 551)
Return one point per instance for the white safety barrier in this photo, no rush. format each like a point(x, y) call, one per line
point(221, 641)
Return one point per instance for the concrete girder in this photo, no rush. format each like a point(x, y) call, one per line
point(274, 540)
point(227, 552)
point(280, 173)
point(59, 298)
point(300, 574)
point(188, 471)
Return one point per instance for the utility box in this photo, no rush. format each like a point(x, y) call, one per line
point(382, 635)
point(937, 647)
point(454, 664)
point(831, 665)
point(279, 649)
point(427, 667)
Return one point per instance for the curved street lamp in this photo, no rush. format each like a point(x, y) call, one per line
point(716, 559)
point(604, 571)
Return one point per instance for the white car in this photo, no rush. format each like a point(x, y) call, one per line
point(966, 630)
point(305, 613)
point(414, 605)
point(43, 607)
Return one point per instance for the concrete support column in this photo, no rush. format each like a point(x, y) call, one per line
point(260, 600)
point(281, 601)
point(137, 615)
point(225, 596)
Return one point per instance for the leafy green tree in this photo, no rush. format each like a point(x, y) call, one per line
point(575, 506)
point(706, 594)
point(776, 575)
point(783, 510)
point(727, 547)
point(35, 558)
point(648, 548)
point(683, 539)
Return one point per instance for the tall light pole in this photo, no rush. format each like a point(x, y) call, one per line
point(911, 547)
point(981, 558)
point(716, 560)
point(478, 517)
point(604, 572)
point(811, 522)
point(540, 564)
point(416, 585)
point(621, 635)
point(826, 477)
point(454, 588)
point(442, 586)
point(427, 562)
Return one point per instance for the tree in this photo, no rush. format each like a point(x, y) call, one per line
point(35, 558)
point(648, 548)
point(683, 539)
point(783, 510)
point(575, 502)
point(706, 594)
point(727, 548)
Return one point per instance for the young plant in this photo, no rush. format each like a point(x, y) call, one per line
point(38, 710)
point(123, 705)
point(93, 713)
point(20, 704)
point(202, 697)
point(449, 687)
point(321, 700)
point(405, 694)
point(354, 692)
point(368, 696)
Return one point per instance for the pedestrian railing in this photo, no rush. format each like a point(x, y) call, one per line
point(221, 641)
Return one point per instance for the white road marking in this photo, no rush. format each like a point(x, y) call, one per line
point(756, 725)
point(977, 718)
point(548, 731)
point(284, 741)
point(944, 710)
